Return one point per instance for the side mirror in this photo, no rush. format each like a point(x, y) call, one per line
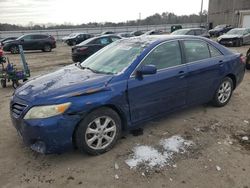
point(22, 40)
point(146, 70)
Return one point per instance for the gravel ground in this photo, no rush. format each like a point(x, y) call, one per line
point(219, 157)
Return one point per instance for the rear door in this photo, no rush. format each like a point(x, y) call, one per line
point(160, 92)
point(205, 64)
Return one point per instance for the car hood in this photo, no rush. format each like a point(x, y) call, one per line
point(10, 41)
point(230, 36)
point(65, 82)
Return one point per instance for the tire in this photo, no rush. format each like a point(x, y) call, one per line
point(223, 93)
point(239, 43)
point(47, 48)
point(14, 49)
point(88, 135)
point(15, 84)
point(3, 83)
point(73, 43)
point(248, 61)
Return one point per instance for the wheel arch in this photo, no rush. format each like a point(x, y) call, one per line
point(233, 77)
point(122, 115)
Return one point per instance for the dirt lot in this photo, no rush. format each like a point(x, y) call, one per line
point(219, 156)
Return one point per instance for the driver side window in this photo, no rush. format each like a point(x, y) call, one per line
point(164, 56)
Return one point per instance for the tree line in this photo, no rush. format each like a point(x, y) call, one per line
point(156, 19)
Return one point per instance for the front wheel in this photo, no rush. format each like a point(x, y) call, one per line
point(98, 132)
point(223, 93)
point(14, 50)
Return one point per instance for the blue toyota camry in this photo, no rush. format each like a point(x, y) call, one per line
point(87, 105)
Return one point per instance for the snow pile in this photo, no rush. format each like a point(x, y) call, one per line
point(175, 144)
point(151, 157)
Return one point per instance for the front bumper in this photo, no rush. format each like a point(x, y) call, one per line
point(50, 135)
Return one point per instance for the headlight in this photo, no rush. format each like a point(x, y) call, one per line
point(38, 112)
point(218, 39)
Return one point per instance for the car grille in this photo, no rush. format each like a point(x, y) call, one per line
point(17, 109)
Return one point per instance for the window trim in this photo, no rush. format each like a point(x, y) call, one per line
point(132, 75)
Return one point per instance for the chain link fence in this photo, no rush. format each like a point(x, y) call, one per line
point(60, 33)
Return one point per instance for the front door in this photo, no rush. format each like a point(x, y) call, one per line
point(161, 92)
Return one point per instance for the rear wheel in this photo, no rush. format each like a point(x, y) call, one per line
point(47, 48)
point(98, 132)
point(223, 93)
point(14, 49)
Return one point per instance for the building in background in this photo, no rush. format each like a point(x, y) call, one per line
point(232, 12)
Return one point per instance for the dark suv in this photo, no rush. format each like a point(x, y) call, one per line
point(31, 42)
point(76, 38)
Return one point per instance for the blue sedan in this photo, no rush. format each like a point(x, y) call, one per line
point(87, 105)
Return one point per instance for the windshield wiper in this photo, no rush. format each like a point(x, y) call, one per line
point(94, 71)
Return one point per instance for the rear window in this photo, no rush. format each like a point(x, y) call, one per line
point(214, 52)
point(196, 50)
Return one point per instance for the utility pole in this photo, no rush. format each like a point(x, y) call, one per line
point(201, 11)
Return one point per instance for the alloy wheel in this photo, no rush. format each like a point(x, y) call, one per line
point(100, 132)
point(224, 92)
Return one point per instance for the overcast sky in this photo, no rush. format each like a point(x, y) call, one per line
point(84, 11)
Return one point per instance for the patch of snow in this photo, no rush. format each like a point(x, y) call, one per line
point(116, 166)
point(175, 144)
point(151, 157)
point(245, 121)
point(218, 168)
point(245, 138)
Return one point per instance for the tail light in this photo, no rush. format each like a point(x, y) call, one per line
point(242, 59)
point(82, 49)
point(53, 38)
point(1, 52)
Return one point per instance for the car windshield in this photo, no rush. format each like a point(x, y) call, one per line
point(180, 32)
point(220, 26)
point(86, 41)
point(236, 32)
point(73, 34)
point(114, 58)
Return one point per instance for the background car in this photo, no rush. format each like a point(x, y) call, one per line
point(192, 31)
point(107, 33)
point(87, 105)
point(235, 37)
point(85, 49)
point(137, 33)
point(220, 30)
point(6, 40)
point(31, 42)
point(76, 38)
point(125, 35)
point(154, 32)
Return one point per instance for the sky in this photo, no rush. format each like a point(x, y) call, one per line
point(83, 11)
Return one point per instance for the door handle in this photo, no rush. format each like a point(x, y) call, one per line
point(181, 74)
point(221, 63)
